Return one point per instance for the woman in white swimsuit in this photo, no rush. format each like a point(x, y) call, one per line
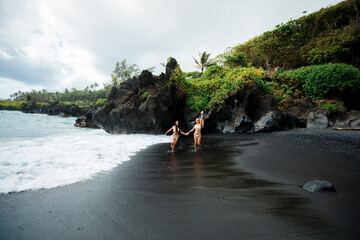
point(197, 127)
point(175, 136)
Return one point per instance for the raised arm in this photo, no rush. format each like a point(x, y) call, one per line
point(202, 119)
point(169, 130)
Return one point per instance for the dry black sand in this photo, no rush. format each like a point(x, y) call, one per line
point(235, 187)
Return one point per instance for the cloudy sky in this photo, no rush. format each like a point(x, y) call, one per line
point(74, 43)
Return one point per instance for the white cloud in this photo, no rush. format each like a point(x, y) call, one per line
point(4, 55)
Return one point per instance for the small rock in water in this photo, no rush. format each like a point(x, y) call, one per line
point(318, 185)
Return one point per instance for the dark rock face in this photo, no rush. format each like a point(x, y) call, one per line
point(130, 111)
point(269, 122)
point(244, 124)
point(9, 108)
point(350, 119)
point(299, 107)
point(54, 108)
point(247, 112)
point(317, 120)
point(86, 121)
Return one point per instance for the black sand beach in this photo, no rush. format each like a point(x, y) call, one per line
point(234, 187)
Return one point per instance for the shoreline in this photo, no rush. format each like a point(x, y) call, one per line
point(235, 186)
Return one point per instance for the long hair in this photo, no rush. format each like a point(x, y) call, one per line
point(201, 122)
point(177, 126)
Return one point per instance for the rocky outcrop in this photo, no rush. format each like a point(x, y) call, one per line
point(300, 107)
point(151, 104)
point(54, 108)
point(317, 120)
point(269, 122)
point(326, 119)
point(86, 122)
point(350, 119)
point(246, 111)
point(147, 104)
point(9, 108)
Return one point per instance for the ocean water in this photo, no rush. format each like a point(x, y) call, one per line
point(39, 151)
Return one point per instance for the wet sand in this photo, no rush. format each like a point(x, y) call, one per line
point(235, 187)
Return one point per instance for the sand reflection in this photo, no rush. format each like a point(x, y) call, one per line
point(198, 166)
point(175, 168)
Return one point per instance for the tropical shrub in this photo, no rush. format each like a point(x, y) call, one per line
point(194, 74)
point(101, 102)
point(331, 107)
point(216, 84)
point(328, 81)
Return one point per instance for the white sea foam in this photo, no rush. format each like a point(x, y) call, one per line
point(63, 157)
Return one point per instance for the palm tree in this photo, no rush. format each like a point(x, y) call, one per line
point(204, 61)
point(96, 85)
point(66, 94)
point(107, 87)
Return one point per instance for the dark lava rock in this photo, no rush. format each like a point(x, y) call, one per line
point(247, 111)
point(269, 122)
point(86, 121)
point(350, 119)
point(128, 111)
point(54, 108)
point(317, 120)
point(299, 107)
point(244, 125)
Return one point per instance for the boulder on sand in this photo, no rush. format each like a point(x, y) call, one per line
point(318, 185)
point(269, 122)
point(317, 120)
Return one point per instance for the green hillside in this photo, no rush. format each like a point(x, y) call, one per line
point(315, 56)
point(330, 35)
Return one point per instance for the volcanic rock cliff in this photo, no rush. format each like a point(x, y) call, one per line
point(146, 104)
point(151, 104)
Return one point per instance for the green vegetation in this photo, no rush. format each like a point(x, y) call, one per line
point(329, 81)
point(331, 35)
point(331, 107)
point(8, 103)
point(216, 84)
point(145, 95)
point(123, 72)
point(203, 62)
point(194, 74)
point(101, 102)
point(74, 96)
point(17, 104)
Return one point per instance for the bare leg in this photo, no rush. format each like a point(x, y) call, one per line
point(195, 142)
point(174, 144)
point(199, 140)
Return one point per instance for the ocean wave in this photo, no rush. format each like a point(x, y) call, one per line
point(70, 156)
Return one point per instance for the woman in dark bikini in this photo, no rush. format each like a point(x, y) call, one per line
point(175, 137)
point(197, 127)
